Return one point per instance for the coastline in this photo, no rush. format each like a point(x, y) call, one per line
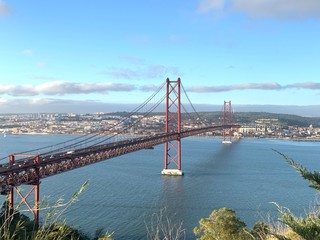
point(195, 136)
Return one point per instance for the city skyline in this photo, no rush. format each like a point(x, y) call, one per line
point(59, 55)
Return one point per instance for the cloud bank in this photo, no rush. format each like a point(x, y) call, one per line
point(255, 86)
point(52, 105)
point(62, 88)
point(52, 88)
point(244, 86)
point(276, 9)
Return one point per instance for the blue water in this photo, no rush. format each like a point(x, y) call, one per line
point(125, 192)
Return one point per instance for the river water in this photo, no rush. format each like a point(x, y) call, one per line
point(125, 192)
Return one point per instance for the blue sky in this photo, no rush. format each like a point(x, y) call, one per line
point(59, 53)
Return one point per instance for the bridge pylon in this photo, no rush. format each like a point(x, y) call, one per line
point(172, 149)
point(227, 120)
point(35, 183)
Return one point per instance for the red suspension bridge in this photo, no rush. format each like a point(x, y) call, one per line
point(28, 168)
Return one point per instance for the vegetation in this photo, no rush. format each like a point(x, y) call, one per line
point(17, 226)
point(222, 224)
point(160, 226)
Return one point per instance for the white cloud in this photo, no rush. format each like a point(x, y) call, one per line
point(62, 88)
point(276, 9)
point(54, 88)
point(4, 8)
point(305, 85)
point(54, 105)
point(243, 86)
point(257, 86)
point(3, 101)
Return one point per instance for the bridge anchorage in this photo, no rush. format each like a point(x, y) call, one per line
point(89, 149)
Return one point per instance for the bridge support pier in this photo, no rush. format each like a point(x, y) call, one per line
point(172, 172)
point(24, 198)
point(172, 149)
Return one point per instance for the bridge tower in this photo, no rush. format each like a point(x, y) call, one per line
point(172, 149)
point(227, 120)
point(35, 183)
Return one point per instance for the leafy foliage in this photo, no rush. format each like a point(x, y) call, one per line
point(260, 230)
point(222, 224)
point(307, 228)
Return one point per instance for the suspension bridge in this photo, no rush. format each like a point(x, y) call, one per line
point(28, 168)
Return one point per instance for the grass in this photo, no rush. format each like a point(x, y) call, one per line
point(14, 225)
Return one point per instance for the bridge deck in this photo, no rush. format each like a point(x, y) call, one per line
point(25, 171)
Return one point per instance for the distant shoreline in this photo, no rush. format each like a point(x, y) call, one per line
point(196, 136)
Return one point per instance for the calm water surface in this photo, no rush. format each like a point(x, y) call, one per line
point(125, 192)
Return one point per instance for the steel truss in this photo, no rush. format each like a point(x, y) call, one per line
point(227, 120)
point(172, 149)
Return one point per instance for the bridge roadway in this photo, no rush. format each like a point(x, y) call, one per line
point(24, 171)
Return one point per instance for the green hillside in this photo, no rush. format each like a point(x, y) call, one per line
point(246, 118)
point(250, 117)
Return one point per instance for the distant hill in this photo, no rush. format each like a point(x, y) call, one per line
point(248, 117)
point(83, 107)
point(284, 119)
point(251, 117)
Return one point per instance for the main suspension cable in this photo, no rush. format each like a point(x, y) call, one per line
point(185, 92)
point(89, 136)
point(86, 141)
point(138, 120)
